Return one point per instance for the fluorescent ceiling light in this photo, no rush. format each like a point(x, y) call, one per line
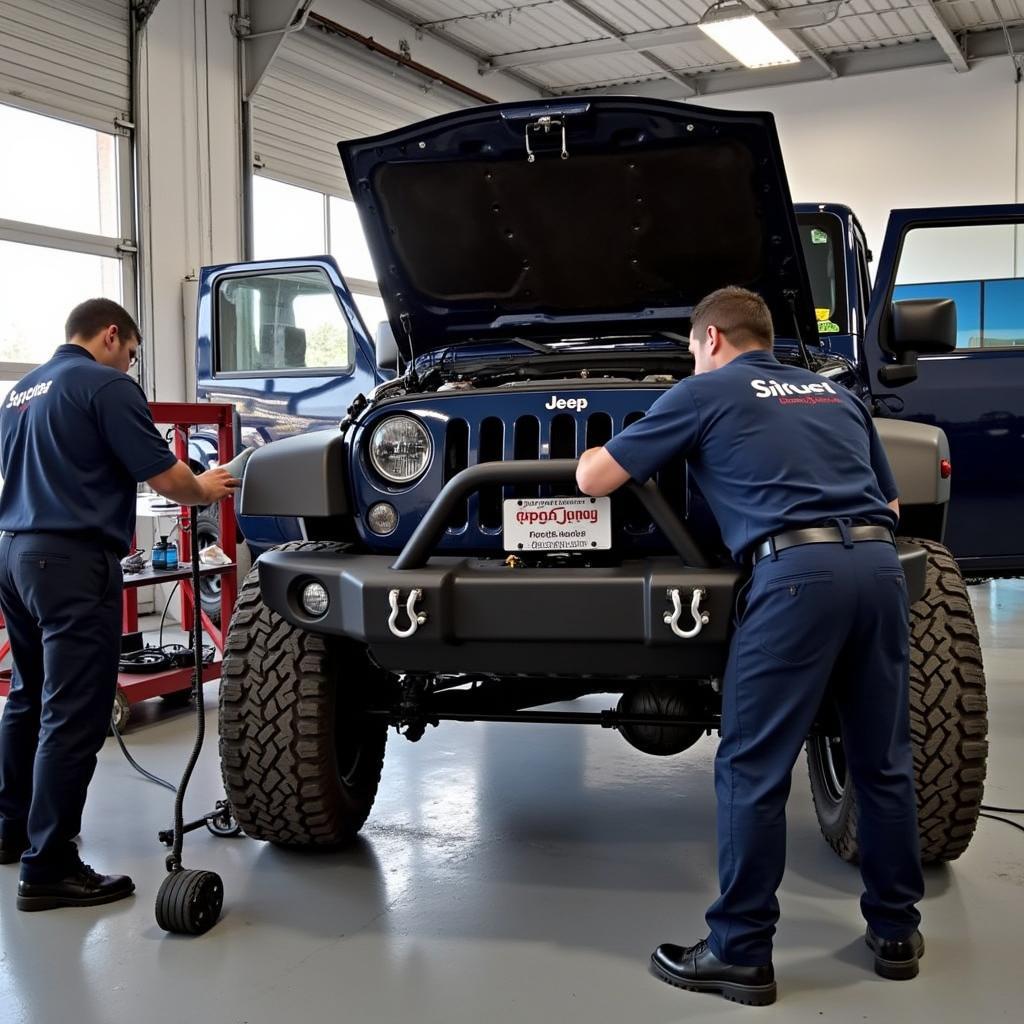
point(736, 29)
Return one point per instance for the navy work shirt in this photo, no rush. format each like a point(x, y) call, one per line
point(772, 447)
point(75, 438)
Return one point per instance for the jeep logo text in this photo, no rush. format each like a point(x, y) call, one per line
point(575, 404)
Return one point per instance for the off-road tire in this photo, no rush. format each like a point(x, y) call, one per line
point(948, 725)
point(300, 764)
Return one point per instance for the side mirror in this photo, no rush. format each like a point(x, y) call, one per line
point(923, 325)
point(918, 326)
point(388, 354)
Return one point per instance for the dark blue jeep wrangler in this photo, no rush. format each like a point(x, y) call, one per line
point(539, 263)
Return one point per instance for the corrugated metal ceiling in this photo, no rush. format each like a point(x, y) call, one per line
point(539, 40)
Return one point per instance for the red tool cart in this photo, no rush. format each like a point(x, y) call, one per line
point(134, 687)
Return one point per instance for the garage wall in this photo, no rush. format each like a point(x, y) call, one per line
point(922, 137)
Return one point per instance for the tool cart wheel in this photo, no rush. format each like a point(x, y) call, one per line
point(121, 713)
point(189, 902)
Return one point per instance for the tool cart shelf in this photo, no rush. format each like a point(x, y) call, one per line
point(133, 687)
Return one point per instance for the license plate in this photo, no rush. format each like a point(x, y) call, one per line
point(557, 524)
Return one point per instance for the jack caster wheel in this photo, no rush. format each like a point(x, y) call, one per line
point(223, 824)
point(189, 902)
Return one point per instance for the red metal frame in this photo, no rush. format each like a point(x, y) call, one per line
point(138, 686)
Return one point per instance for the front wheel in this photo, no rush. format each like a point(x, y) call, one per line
point(301, 761)
point(948, 725)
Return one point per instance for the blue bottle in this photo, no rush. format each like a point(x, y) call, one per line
point(171, 558)
point(160, 554)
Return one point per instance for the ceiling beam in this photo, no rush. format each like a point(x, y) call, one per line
point(440, 35)
point(788, 20)
point(927, 52)
point(603, 25)
point(943, 36)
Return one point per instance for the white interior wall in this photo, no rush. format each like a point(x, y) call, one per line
point(920, 137)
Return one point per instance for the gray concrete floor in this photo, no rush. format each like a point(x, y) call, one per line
point(508, 873)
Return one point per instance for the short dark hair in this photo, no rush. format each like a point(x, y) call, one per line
point(88, 318)
point(739, 314)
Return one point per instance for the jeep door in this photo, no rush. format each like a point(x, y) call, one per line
point(281, 341)
point(973, 256)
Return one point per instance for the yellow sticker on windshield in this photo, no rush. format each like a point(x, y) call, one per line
point(828, 327)
point(823, 314)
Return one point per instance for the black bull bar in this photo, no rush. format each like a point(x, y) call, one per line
point(656, 616)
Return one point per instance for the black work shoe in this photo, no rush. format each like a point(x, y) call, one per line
point(896, 959)
point(697, 969)
point(82, 888)
point(12, 849)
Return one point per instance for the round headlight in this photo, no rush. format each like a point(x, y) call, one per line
point(400, 449)
point(314, 599)
point(382, 518)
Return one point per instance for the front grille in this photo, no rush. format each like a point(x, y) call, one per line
point(561, 436)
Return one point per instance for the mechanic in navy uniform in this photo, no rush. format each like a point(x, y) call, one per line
point(76, 436)
point(796, 476)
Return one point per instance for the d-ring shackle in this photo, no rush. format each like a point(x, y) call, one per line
point(700, 619)
point(416, 619)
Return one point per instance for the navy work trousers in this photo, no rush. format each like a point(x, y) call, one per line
point(61, 599)
point(816, 616)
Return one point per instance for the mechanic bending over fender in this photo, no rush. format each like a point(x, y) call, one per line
point(76, 436)
point(802, 490)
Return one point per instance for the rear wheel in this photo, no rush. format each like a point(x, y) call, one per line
point(948, 724)
point(301, 761)
point(208, 532)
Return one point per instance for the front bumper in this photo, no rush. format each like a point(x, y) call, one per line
point(661, 616)
point(482, 616)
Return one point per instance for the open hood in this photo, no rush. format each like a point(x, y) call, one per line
point(576, 217)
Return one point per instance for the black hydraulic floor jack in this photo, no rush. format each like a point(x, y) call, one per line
point(190, 900)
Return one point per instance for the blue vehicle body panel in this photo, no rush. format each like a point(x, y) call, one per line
point(273, 404)
point(976, 396)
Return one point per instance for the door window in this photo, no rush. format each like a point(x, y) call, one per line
point(977, 267)
point(288, 322)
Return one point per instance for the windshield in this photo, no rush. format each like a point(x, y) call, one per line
point(821, 236)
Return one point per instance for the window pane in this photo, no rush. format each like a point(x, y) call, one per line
point(276, 322)
point(287, 221)
point(967, 297)
point(957, 253)
point(57, 174)
point(38, 288)
point(1004, 313)
point(821, 236)
point(348, 244)
point(975, 266)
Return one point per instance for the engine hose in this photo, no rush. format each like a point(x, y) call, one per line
point(174, 859)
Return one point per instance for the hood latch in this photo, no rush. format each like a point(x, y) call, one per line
point(544, 125)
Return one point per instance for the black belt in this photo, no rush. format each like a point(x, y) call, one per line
point(819, 535)
point(84, 536)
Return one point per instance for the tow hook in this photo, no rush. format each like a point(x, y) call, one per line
point(700, 619)
point(416, 619)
